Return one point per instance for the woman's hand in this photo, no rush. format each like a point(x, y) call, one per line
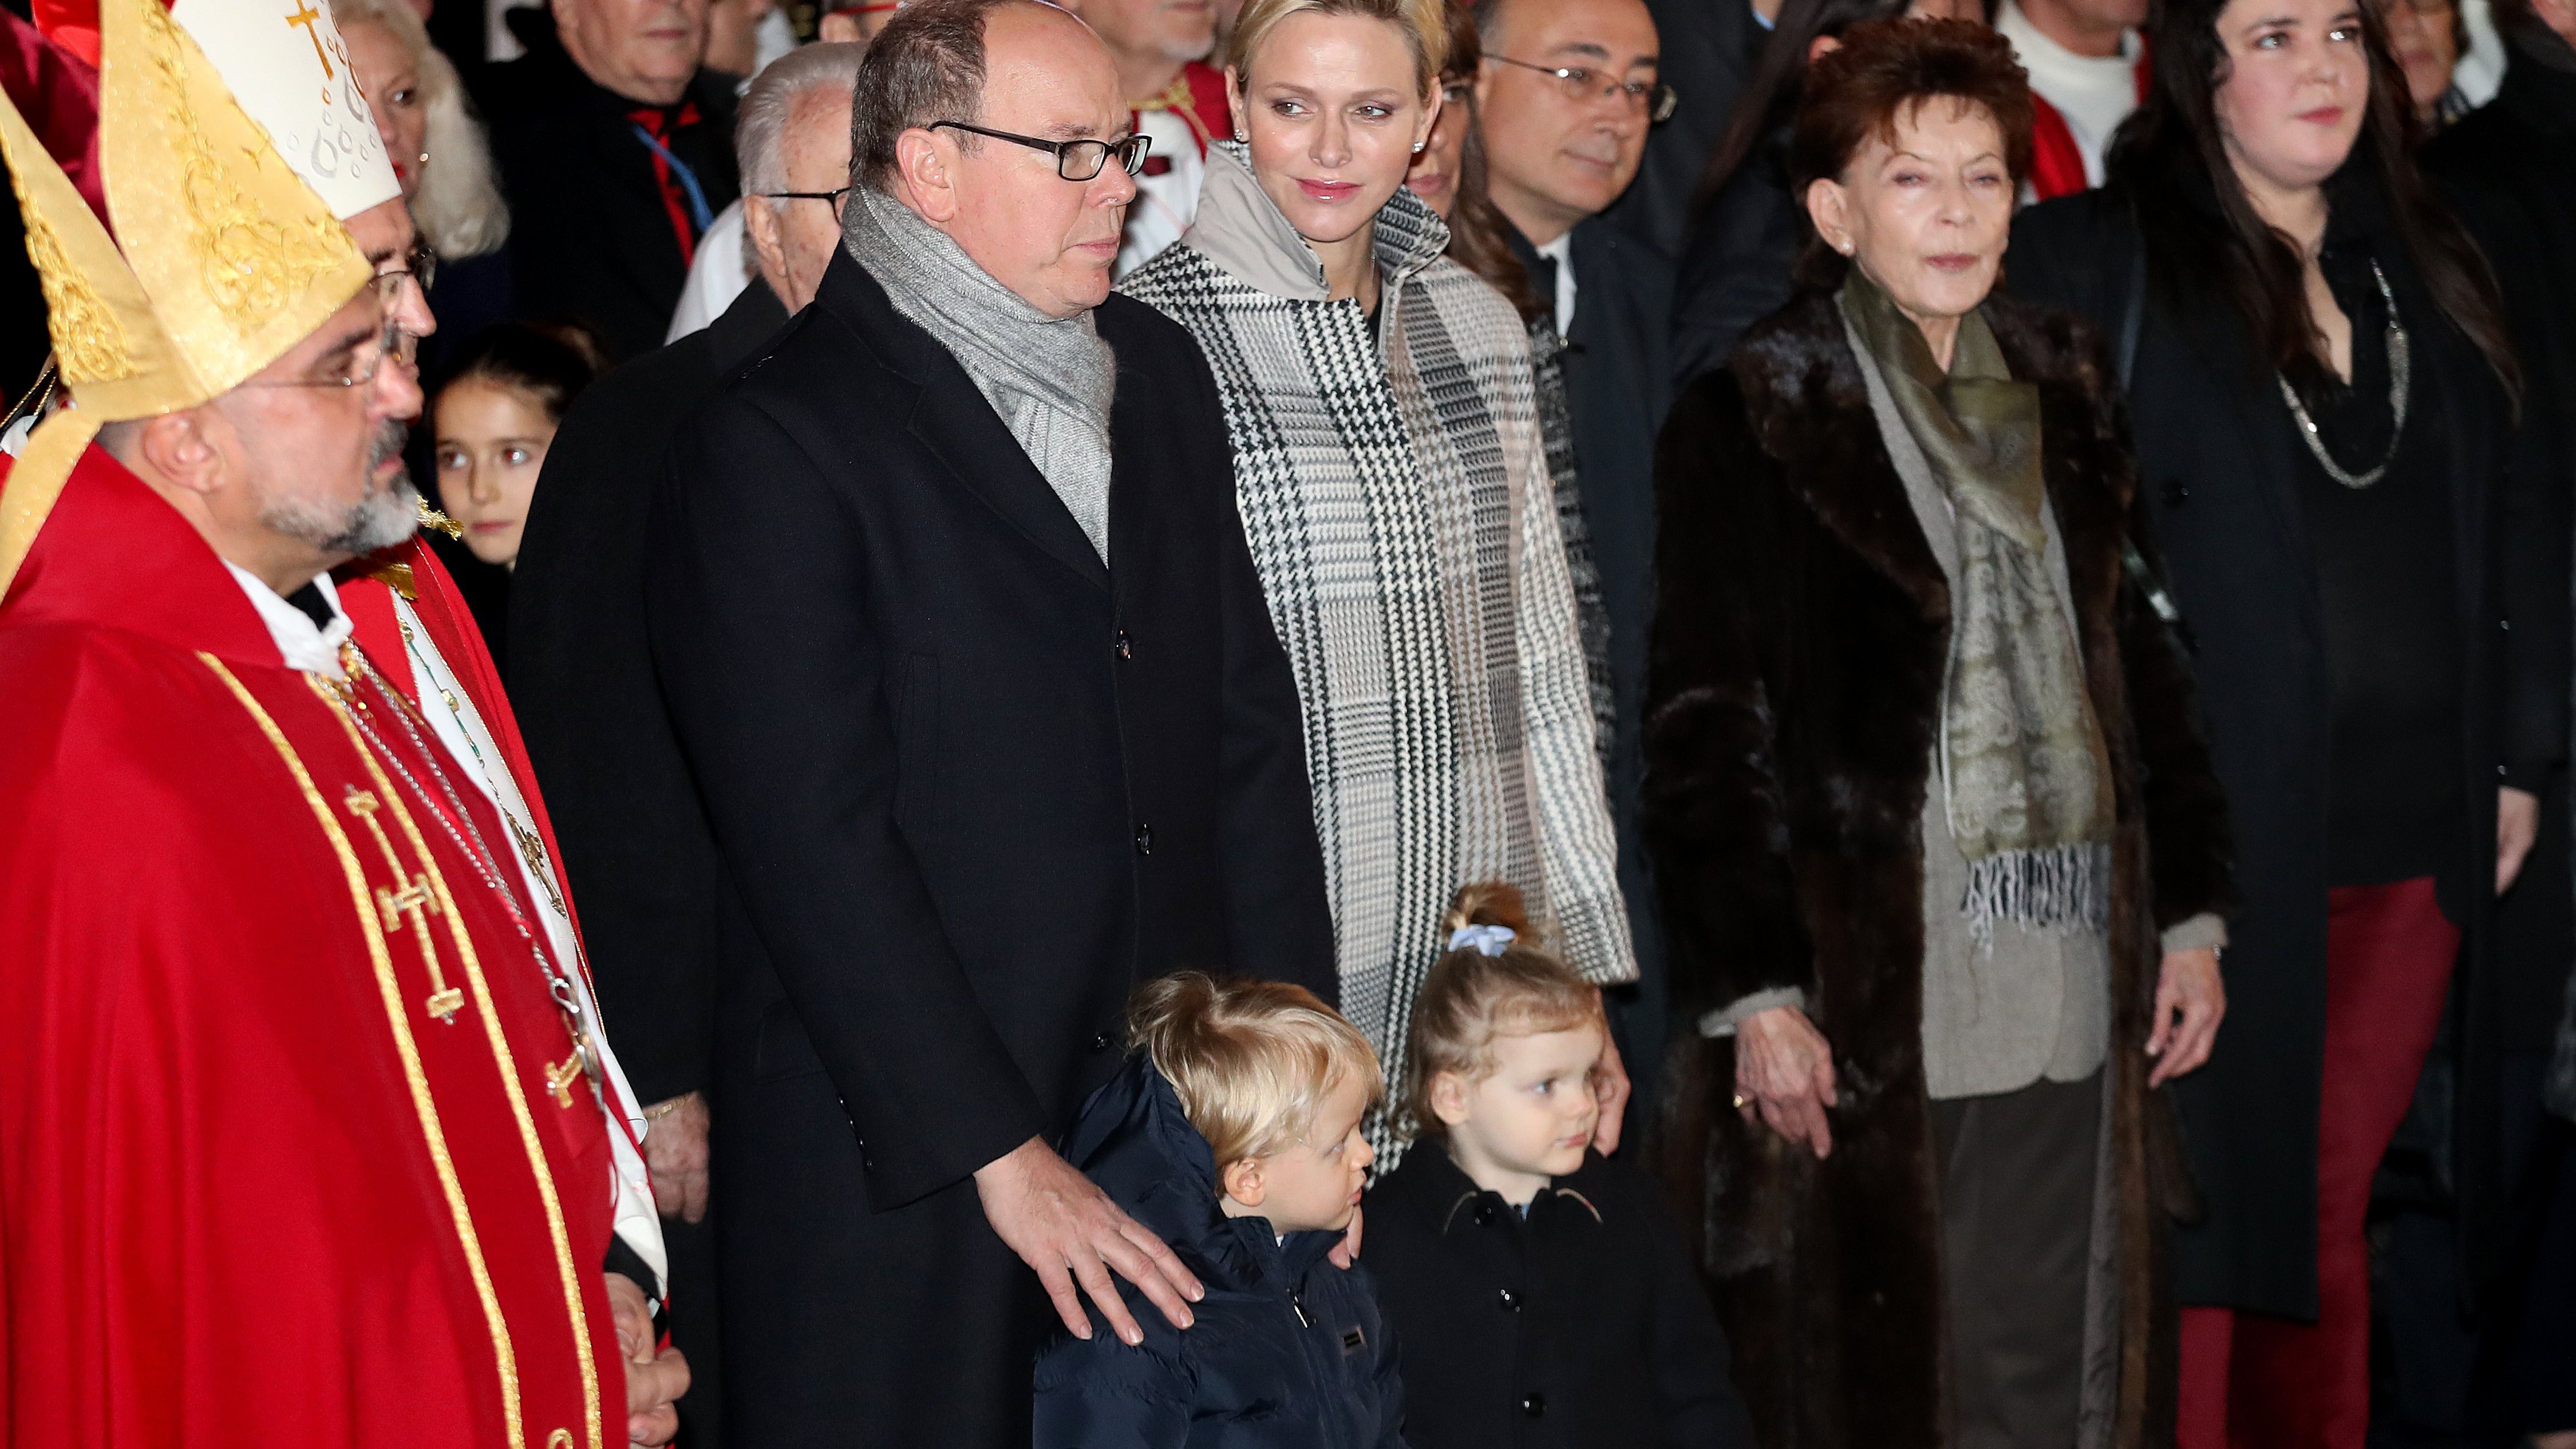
point(2190, 1002)
point(2517, 826)
point(1784, 1070)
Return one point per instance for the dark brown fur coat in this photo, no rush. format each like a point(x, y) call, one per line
point(1800, 637)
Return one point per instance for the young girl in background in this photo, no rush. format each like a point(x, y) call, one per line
point(490, 420)
point(495, 414)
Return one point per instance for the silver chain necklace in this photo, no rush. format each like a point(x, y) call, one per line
point(470, 845)
point(2400, 367)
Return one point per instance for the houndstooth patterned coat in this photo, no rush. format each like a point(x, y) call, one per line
point(1395, 491)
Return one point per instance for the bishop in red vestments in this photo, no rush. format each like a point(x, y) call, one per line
point(302, 1136)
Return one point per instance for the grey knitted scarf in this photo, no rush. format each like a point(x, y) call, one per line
point(2023, 766)
point(1051, 381)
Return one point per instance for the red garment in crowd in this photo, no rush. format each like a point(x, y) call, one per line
point(281, 1158)
point(2255, 1381)
point(1197, 96)
point(2056, 162)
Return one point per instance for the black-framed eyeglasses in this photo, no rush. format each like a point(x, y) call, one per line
point(834, 196)
point(1074, 160)
point(1657, 100)
point(364, 362)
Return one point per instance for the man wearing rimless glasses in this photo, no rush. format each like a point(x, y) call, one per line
point(956, 627)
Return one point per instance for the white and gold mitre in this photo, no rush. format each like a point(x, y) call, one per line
point(222, 259)
point(285, 62)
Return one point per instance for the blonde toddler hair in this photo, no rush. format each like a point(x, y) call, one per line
point(1252, 1061)
point(1470, 998)
point(1425, 24)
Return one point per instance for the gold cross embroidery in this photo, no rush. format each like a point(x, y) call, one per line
point(415, 900)
point(308, 17)
point(561, 1076)
point(532, 848)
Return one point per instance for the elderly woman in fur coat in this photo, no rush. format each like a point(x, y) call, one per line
point(1943, 860)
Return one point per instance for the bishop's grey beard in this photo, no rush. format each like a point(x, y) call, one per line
point(385, 517)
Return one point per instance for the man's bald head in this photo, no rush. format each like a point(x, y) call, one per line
point(930, 64)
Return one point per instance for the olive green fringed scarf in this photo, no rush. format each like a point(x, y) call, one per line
point(2024, 772)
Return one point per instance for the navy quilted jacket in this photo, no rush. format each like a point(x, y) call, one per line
point(1288, 1351)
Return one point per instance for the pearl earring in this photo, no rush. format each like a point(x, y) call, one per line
point(1417, 147)
point(1239, 135)
point(424, 158)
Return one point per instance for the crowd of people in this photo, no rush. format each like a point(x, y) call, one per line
point(1289, 723)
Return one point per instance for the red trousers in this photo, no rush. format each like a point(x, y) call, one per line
point(2253, 1381)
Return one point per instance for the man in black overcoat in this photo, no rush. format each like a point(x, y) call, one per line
point(2510, 169)
point(615, 151)
point(1554, 163)
point(635, 844)
point(983, 745)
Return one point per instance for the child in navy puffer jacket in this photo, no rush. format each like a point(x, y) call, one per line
point(1233, 1134)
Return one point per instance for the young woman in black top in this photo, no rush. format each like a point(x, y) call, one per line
point(2324, 405)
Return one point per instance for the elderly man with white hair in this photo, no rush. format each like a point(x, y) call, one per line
point(792, 143)
point(954, 617)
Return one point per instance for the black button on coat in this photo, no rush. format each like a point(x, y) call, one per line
point(1287, 1350)
point(1583, 1325)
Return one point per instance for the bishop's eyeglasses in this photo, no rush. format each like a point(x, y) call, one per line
point(1074, 160)
point(356, 365)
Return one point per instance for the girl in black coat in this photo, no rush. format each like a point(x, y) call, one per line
point(2323, 403)
point(1542, 1291)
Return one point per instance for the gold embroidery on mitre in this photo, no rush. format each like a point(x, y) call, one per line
point(112, 350)
point(252, 263)
point(89, 343)
point(241, 259)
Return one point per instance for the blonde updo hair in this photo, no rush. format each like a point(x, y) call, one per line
point(1425, 24)
point(1252, 1061)
point(458, 206)
point(1471, 998)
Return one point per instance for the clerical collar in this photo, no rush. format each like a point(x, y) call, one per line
point(305, 639)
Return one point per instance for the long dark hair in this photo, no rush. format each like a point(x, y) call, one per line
point(2171, 157)
point(551, 362)
point(1770, 97)
point(1478, 230)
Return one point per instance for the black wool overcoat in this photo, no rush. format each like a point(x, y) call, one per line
point(636, 848)
point(2510, 169)
point(969, 786)
point(1583, 1325)
point(2218, 460)
point(1799, 652)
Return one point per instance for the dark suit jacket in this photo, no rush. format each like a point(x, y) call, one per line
point(635, 844)
point(2510, 168)
point(1618, 386)
point(590, 234)
point(2217, 465)
point(1709, 49)
point(1735, 261)
point(970, 786)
